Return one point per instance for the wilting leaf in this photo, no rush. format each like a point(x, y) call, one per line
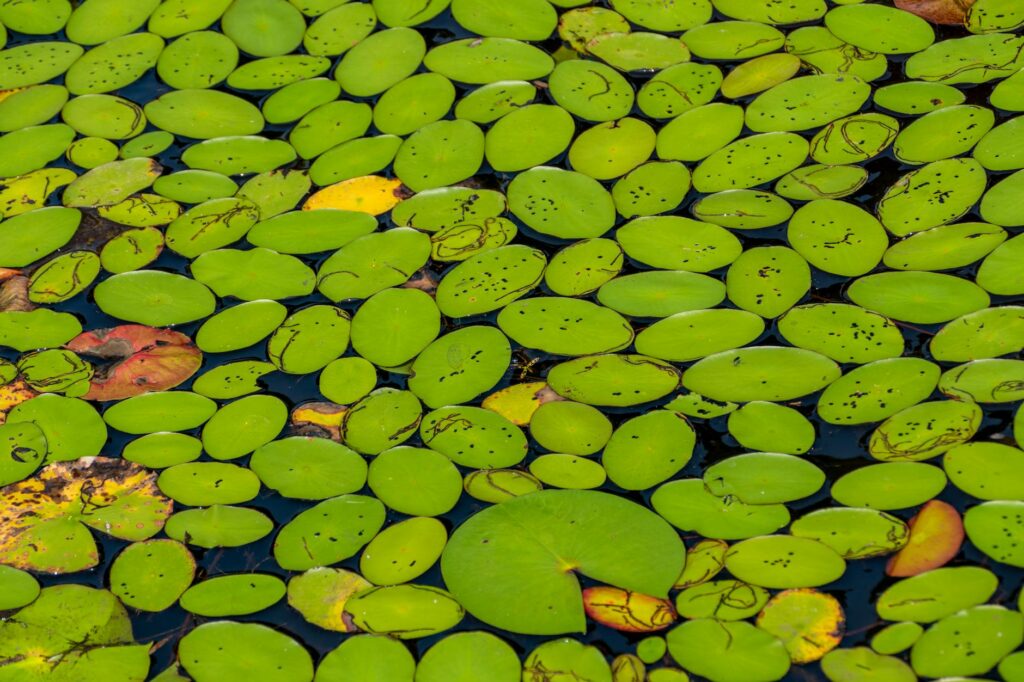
point(938, 11)
point(936, 533)
point(12, 395)
point(320, 595)
point(141, 359)
point(319, 420)
point(628, 611)
point(371, 194)
point(41, 518)
point(810, 623)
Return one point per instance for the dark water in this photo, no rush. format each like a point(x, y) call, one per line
point(837, 449)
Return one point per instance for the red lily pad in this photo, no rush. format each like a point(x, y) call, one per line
point(936, 533)
point(628, 611)
point(140, 360)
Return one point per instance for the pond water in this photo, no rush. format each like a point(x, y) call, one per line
point(836, 450)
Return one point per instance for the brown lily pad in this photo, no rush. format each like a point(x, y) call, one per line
point(947, 12)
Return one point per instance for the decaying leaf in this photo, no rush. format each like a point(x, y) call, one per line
point(628, 611)
point(371, 194)
point(141, 359)
point(45, 520)
point(936, 533)
point(518, 402)
point(319, 420)
point(948, 12)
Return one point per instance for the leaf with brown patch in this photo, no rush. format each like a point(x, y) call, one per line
point(45, 520)
point(140, 360)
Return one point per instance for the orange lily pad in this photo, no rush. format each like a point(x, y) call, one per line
point(371, 194)
point(628, 611)
point(936, 533)
point(140, 360)
point(948, 12)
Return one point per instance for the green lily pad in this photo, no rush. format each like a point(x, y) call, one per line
point(771, 427)
point(374, 658)
point(837, 237)
point(373, 263)
point(320, 594)
point(946, 133)
point(724, 600)
point(935, 194)
point(160, 411)
point(992, 526)
point(986, 333)
point(583, 266)
point(225, 649)
point(984, 381)
point(936, 594)
point(926, 430)
point(896, 638)
point(460, 365)
point(987, 471)
point(696, 334)
point(557, 325)
point(944, 248)
point(233, 594)
point(404, 551)
point(560, 203)
point(394, 325)
point(154, 298)
point(162, 450)
point(591, 90)
point(329, 532)
point(150, 576)
point(768, 280)
point(263, 28)
point(878, 390)
point(784, 561)
point(853, 532)
point(725, 651)
point(843, 332)
point(202, 484)
point(469, 656)
point(861, 663)
point(218, 526)
point(688, 505)
point(649, 449)
point(892, 485)
point(970, 642)
point(404, 611)
point(680, 88)
point(488, 60)
point(613, 380)
point(567, 658)
point(394, 472)
point(383, 419)
point(678, 243)
point(568, 427)
point(918, 297)
point(763, 478)
point(309, 468)
point(761, 373)
point(604, 531)
point(309, 339)
point(20, 588)
point(733, 40)
point(240, 427)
